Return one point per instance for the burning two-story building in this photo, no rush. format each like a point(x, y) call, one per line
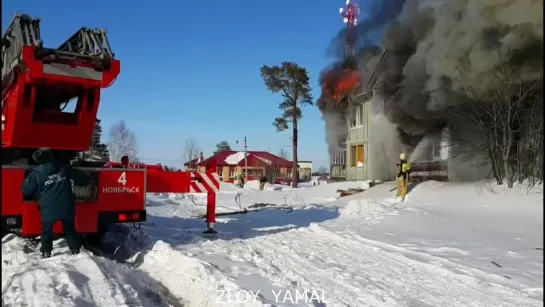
point(346, 103)
point(359, 148)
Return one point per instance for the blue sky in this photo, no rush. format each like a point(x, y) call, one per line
point(191, 68)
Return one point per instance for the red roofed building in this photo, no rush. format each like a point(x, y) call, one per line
point(230, 164)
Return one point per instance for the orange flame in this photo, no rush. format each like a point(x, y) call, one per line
point(338, 84)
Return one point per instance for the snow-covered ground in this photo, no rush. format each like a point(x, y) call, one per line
point(447, 245)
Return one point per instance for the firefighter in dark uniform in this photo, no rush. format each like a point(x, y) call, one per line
point(51, 184)
point(402, 176)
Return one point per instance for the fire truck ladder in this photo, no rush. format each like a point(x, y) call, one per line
point(89, 42)
point(23, 31)
point(87, 45)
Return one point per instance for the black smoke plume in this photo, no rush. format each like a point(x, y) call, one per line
point(430, 50)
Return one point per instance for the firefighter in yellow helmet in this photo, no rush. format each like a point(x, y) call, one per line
point(402, 176)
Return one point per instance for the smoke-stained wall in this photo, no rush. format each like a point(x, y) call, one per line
point(336, 131)
point(384, 144)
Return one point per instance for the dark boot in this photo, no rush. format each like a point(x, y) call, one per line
point(47, 238)
point(70, 235)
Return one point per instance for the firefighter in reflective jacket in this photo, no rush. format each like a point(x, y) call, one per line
point(402, 176)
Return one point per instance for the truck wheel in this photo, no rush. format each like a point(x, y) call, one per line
point(96, 238)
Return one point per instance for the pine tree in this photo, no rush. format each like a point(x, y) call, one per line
point(98, 149)
point(221, 146)
point(292, 81)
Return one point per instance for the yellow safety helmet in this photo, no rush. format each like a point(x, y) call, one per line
point(402, 156)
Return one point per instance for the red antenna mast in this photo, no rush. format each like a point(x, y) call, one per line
point(350, 13)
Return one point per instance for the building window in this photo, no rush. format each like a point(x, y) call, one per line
point(219, 170)
point(356, 155)
point(360, 154)
point(255, 172)
point(339, 158)
point(357, 117)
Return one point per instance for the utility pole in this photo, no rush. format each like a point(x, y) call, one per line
point(245, 160)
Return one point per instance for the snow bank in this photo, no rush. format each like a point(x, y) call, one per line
point(228, 187)
point(520, 201)
point(254, 185)
point(361, 208)
point(161, 276)
point(67, 280)
point(197, 282)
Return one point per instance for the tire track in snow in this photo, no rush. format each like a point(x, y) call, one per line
point(300, 274)
point(426, 257)
point(356, 274)
point(491, 294)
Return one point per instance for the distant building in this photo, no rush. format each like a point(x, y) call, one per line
point(305, 170)
point(231, 164)
point(191, 166)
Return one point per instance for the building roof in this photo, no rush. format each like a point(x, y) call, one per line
point(254, 159)
point(192, 162)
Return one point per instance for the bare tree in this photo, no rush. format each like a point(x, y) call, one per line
point(322, 170)
point(283, 153)
point(122, 141)
point(191, 152)
point(499, 119)
point(530, 149)
point(273, 170)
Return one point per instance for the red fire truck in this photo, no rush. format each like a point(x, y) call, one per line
point(37, 84)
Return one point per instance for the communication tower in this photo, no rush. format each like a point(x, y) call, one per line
point(350, 13)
